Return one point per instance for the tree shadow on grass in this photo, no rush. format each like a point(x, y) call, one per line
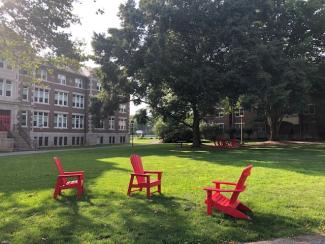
point(116, 218)
point(300, 159)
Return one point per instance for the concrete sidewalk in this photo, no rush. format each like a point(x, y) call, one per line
point(62, 150)
point(306, 239)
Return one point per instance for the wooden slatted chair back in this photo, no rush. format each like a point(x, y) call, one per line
point(59, 167)
point(241, 183)
point(137, 167)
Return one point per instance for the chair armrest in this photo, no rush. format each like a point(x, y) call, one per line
point(143, 175)
point(152, 172)
point(70, 175)
point(74, 172)
point(224, 183)
point(221, 190)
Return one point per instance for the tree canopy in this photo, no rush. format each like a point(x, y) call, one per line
point(184, 57)
point(28, 27)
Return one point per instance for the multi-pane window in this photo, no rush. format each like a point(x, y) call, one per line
point(25, 93)
point(62, 79)
point(41, 74)
point(122, 124)
point(122, 108)
point(239, 125)
point(77, 121)
point(99, 124)
point(8, 88)
point(41, 119)
point(220, 113)
point(78, 82)
point(5, 88)
point(1, 87)
point(61, 98)
point(23, 119)
point(78, 101)
point(60, 120)
point(41, 95)
point(122, 139)
point(239, 112)
point(99, 86)
point(310, 109)
point(220, 126)
point(111, 123)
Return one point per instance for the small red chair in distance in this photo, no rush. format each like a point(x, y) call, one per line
point(143, 177)
point(231, 206)
point(62, 181)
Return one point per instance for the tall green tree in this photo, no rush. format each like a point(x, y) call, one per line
point(278, 42)
point(169, 53)
point(28, 27)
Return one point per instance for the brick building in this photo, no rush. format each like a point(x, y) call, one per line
point(54, 111)
point(309, 124)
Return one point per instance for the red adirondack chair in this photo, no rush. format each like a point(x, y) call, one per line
point(62, 181)
point(143, 177)
point(234, 143)
point(231, 206)
point(222, 143)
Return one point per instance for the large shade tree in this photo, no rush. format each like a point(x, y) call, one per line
point(168, 53)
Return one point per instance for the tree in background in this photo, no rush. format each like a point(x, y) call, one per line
point(141, 117)
point(31, 27)
point(277, 44)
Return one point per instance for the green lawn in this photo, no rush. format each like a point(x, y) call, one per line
point(286, 192)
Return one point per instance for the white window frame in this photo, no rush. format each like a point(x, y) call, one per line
point(2, 85)
point(62, 79)
point(237, 125)
point(307, 109)
point(98, 86)
point(42, 117)
point(8, 88)
point(78, 100)
point(78, 82)
point(239, 112)
point(122, 108)
point(220, 112)
point(101, 125)
point(122, 124)
point(60, 120)
point(24, 113)
point(111, 123)
point(41, 74)
point(78, 121)
point(25, 88)
point(221, 126)
point(41, 93)
point(61, 98)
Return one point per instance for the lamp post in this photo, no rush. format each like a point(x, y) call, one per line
point(241, 129)
point(132, 126)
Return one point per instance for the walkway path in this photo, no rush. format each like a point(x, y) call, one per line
point(306, 239)
point(60, 150)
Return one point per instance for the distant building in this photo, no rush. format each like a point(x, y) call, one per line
point(310, 124)
point(54, 112)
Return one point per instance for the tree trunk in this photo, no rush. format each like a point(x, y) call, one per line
point(274, 125)
point(196, 129)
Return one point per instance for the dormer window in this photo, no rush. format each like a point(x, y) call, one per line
point(99, 86)
point(78, 83)
point(42, 74)
point(62, 79)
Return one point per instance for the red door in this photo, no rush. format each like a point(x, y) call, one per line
point(4, 120)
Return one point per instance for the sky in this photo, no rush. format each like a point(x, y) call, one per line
point(91, 22)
